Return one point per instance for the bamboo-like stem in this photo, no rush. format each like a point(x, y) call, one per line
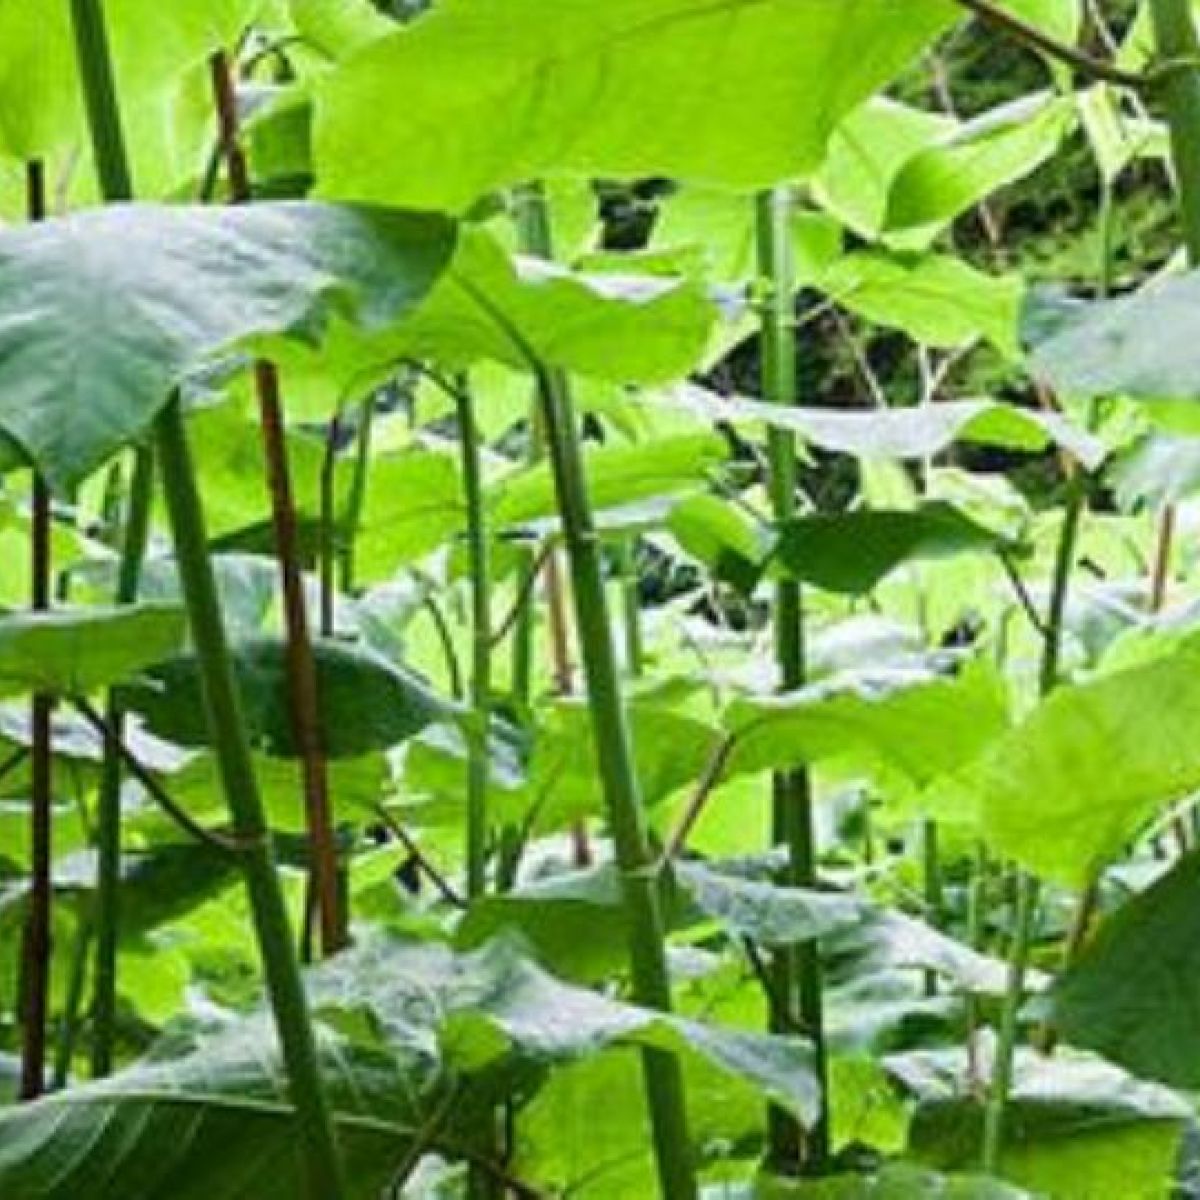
point(637, 867)
point(795, 970)
point(135, 537)
point(535, 236)
point(479, 571)
point(37, 949)
point(236, 767)
point(622, 791)
point(631, 609)
point(317, 1144)
point(303, 690)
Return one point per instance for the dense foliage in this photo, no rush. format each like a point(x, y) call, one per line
point(600, 599)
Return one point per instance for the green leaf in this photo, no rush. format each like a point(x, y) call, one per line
point(922, 724)
point(1142, 345)
point(937, 300)
point(366, 702)
point(151, 46)
point(920, 432)
point(617, 475)
point(338, 27)
point(723, 537)
point(535, 87)
point(852, 552)
point(1133, 992)
point(980, 156)
point(1100, 757)
point(73, 652)
point(866, 151)
point(1076, 1128)
point(104, 313)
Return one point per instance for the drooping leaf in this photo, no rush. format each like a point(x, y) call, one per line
point(852, 552)
point(492, 307)
point(532, 87)
point(1141, 345)
point(1067, 788)
point(976, 159)
point(366, 702)
point(722, 537)
point(1132, 993)
point(920, 432)
point(76, 651)
point(922, 724)
point(866, 151)
point(103, 313)
point(1075, 1127)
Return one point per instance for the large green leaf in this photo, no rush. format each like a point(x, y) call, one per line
point(936, 299)
point(866, 151)
point(922, 724)
point(492, 307)
point(76, 651)
point(39, 97)
point(102, 314)
point(481, 94)
point(1141, 345)
point(976, 159)
point(1065, 790)
point(406, 1028)
point(617, 475)
point(1076, 1128)
point(919, 432)
point(367, 703)
point(852, 552)
point(1133, 993)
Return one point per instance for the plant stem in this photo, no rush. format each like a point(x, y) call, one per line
point(535, 236)
point(638, 870)
point(481, 643)
point(622, 790)
point(134, 540)
point(35, 973)
point(795, 970)
point(322, 1166)
point(236, 768)
point(301, 660)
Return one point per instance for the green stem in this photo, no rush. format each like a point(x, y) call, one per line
point(236, 767)
point(622, 791)
point(635, 859)
point(1176, 40)
point(36, 948)
point(481, 643)
point(931, 873)
point(108, 812)
point(322, 1166)
point(631, 609)
point(795, 971)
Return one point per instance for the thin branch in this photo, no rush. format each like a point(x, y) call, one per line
point(1022, 594)
point(1012, 26)
point(418, 856)
point(140, 772)
point(713, 770)
point(526, 590)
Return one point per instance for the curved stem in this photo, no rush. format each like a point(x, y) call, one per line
point(795, 970)
point(1037, 39)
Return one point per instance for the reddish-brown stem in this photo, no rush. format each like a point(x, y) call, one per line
point(1161, 572)
point(35, 976)
point(301, 660)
